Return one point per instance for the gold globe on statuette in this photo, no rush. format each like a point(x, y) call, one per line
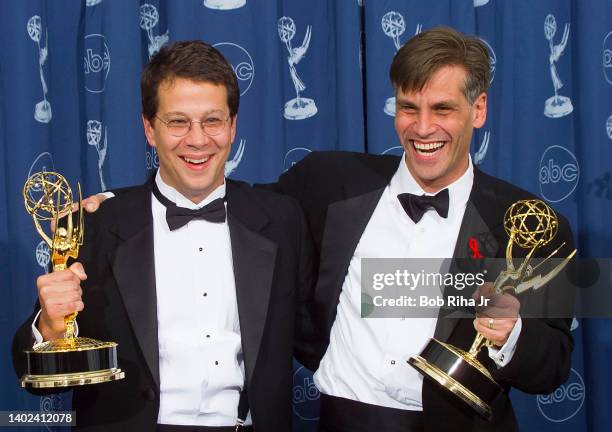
point(530, 224)
point(72, 360)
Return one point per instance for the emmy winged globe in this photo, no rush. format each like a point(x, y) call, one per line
point(298, 108)
point(71, 360)
point(529, 224)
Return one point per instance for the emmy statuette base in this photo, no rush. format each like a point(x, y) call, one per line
point(71, 362)
point(461, 374)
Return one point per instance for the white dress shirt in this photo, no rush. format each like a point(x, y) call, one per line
point(201, 366)
point(367, 357)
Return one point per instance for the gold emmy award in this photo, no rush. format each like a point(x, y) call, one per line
point(72, 360)
point(530, 224)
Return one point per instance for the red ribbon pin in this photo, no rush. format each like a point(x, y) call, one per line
point(473, 243)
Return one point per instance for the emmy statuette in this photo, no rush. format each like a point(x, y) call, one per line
point(71, 360)
point(530, 224)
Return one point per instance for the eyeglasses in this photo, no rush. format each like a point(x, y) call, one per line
point(180, 126)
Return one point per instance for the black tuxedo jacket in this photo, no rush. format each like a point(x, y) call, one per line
point(339, 191)
point(271, 259)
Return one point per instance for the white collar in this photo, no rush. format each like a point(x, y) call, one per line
point(180, 200)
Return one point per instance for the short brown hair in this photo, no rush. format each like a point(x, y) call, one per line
point(194, 60)
point(423, 55)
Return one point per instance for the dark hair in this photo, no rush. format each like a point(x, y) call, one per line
point(194, 60)
point(423, 55)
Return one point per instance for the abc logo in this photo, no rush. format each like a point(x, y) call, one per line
point(305, 395)
point(607, 57)
point(396, 151)
point(43, 162)
point(96, 61)
point(559, 173)
point(241, 62)
point(492, 59)
point(293, 156)
point(565, 402)
point(151, 158)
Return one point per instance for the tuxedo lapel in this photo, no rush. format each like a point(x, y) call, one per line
point(345, 223)
point(344, 226)
point(474, 238)
point(254, 258)
point(133, 266)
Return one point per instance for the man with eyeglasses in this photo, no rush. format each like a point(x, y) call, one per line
point(196, 276)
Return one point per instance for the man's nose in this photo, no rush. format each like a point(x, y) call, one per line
point(196, 135)
point(424, 124)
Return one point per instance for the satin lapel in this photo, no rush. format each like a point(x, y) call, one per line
point(254, 258)
point(345, 223)
point(133, 265)
point(473, 227)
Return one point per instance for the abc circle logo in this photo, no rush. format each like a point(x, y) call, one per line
point(305, 395)
point(151, 158)
point(96, 61)
point(559, 173)
point(565, 402)
point(607, 57)
point(396, 151)
point(492, 59)
point(293, 156)
point(241, 62)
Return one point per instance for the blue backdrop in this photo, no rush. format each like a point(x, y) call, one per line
point(313, 75)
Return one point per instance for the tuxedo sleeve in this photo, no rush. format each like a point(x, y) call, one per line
point(306, 345)
point(22, 341)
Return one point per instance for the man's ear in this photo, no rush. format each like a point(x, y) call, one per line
point(479, 111)
point(148, 130)
point(234, 122)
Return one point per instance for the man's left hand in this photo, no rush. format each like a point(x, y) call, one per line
point(497, 319)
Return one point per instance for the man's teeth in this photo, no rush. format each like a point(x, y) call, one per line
point(197, 161)
point(428, 146)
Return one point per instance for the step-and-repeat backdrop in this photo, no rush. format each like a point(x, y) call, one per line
point(313, 75)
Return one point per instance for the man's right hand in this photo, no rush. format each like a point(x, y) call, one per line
point(60, 295)
point(91, 204)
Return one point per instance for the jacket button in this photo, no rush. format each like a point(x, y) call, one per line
point(148, 394)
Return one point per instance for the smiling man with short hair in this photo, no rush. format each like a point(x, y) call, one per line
point(427, 204)
point(197, 277)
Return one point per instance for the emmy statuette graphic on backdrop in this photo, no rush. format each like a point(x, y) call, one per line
point(556, 106)
point(298, 108)
point(224, 4)
point(232, 165)
point(94, 139)
point(71, 360)
point(530, 224)
point(480, 154)
point(42, 110)
point(149, 17)
point(393, 25)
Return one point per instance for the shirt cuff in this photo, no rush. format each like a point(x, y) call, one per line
point(502, 356)
point(107, 194)
point(38, 337)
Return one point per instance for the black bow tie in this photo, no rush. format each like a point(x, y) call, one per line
point(416, 206)
point(181, 216)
